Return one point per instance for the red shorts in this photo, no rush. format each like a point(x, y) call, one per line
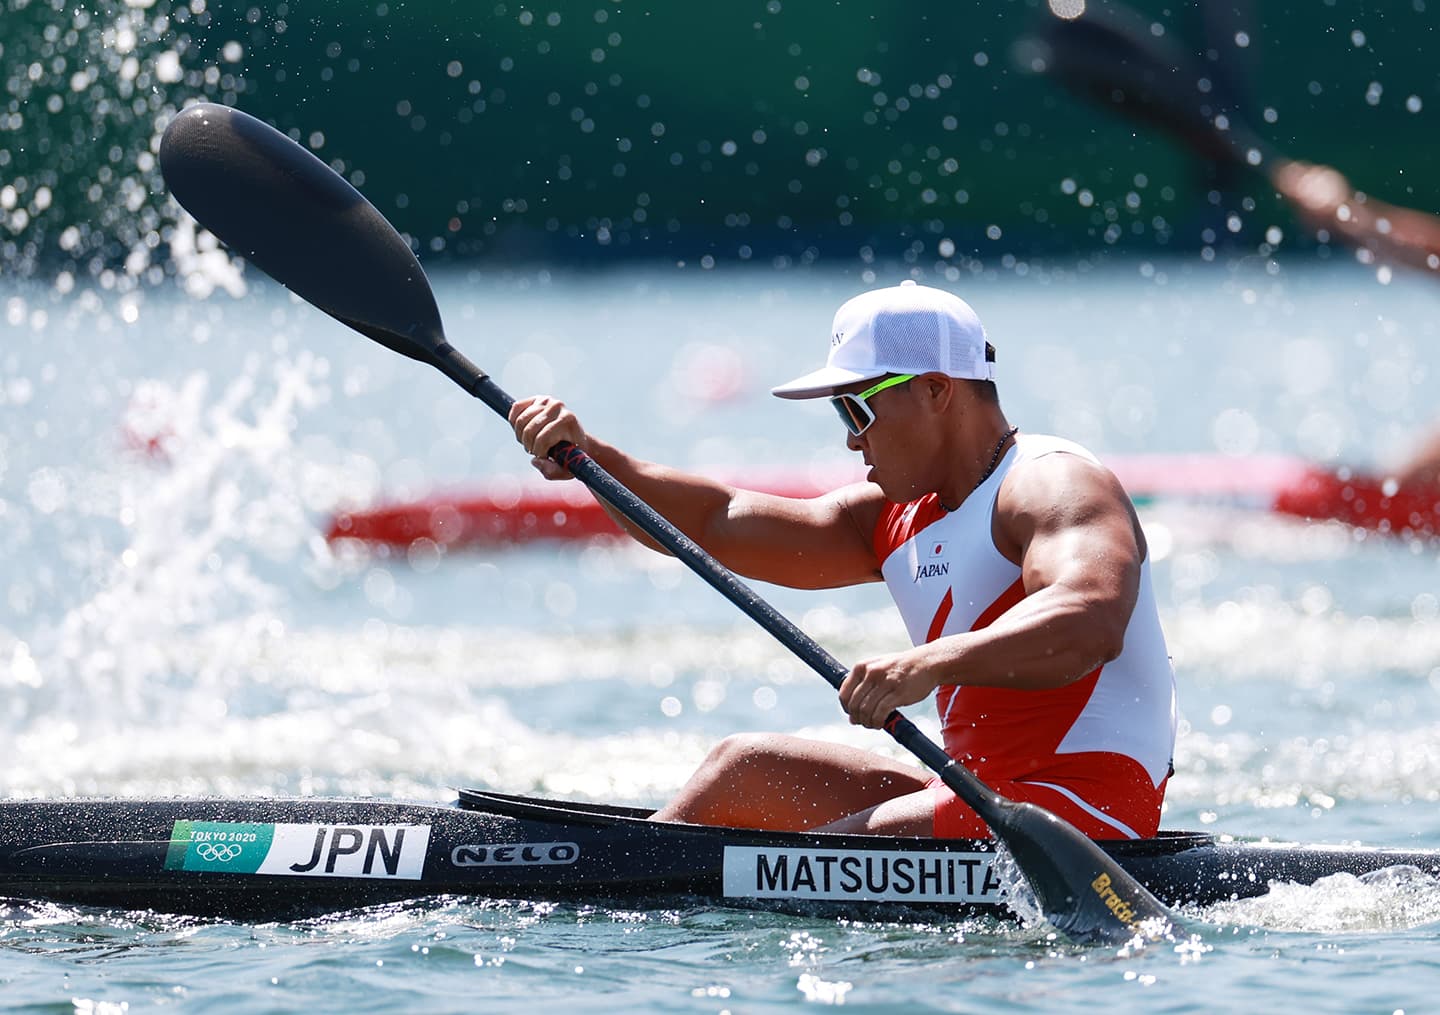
point(1113, 799)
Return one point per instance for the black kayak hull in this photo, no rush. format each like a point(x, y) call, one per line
point(275, 859)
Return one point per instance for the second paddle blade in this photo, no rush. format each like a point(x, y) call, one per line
point(277, 205)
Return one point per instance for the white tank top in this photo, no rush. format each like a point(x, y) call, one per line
point(947, 577)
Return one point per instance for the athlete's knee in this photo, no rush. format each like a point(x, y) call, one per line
point(741, 750)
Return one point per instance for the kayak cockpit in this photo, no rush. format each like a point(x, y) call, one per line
point(1167, 842)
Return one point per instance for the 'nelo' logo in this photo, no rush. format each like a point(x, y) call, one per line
point(514, 854)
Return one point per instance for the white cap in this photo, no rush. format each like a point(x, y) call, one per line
point(905, 329)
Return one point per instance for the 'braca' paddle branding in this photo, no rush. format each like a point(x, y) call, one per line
point(859, 875)
point(1123, 911)
point(349, 851)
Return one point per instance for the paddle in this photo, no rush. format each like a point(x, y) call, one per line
point(293, 217)
point(1110, 55)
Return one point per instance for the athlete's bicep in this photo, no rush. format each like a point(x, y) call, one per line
point(814, 543)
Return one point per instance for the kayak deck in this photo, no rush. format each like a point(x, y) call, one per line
point(273, 859)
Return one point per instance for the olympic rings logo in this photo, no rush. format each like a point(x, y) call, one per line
point(218, 853)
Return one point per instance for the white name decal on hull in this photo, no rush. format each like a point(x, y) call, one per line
point(340, 851)
point(758, 872)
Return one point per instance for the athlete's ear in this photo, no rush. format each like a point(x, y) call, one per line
point(937, 389)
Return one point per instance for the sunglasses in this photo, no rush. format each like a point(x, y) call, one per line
point(854, 413)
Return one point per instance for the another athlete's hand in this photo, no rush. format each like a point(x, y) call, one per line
point(1319, 193)
point(876, 687)
point(540, 423)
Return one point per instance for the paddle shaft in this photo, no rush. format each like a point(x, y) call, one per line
point(964, 783)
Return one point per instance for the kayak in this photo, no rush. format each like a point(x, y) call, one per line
point(277, 859)
point(1363, 502)
point(517, 512)
point(512, 512)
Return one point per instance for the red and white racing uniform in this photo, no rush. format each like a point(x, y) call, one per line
point(1097, 751)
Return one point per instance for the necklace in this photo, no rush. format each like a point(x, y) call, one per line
point(989, 469)
point(995, 457)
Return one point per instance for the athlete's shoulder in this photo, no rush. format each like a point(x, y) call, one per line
point(1030, 446)
point(1052, 473)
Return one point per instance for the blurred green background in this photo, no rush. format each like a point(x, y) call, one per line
point(784, 130)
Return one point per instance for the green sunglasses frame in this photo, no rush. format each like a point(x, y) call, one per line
point(853, 410)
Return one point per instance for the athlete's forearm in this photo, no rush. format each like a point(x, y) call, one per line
point(1047, 640)
point(809, 543)
point(1402, 235)
point(689, 502)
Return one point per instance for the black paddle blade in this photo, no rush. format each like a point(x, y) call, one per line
point(1082, 890)
point(277, 205)
point(1109, 54)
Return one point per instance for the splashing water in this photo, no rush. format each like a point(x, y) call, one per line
point(819, 991)
point(1394, 898)
point(1016, 890)
point(111, 74)
point(175, 551)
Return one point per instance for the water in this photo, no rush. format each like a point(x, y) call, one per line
point(171, 622)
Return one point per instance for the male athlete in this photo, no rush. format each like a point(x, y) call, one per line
point(1017, 563)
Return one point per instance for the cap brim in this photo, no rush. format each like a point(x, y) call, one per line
point(824, 382)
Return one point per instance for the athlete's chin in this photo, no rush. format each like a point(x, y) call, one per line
point(887, 487)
